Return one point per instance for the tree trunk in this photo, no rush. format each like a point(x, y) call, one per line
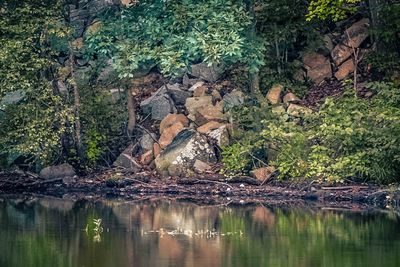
point(254, 78)
point(131, 106)
point(77, 104)
point(376, 21)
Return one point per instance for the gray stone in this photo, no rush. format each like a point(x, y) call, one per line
point(177, 93)
point(221, 135)
point(147, 141)
point(179, 157)
point(58, 171)
point(205, 72)
point(233, 99)
point(159, 105)
point(12, 98)
point(125, 160)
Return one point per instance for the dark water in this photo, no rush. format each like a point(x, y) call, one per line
point(51, 233)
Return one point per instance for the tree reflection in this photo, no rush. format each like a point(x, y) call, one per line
point(51, 232)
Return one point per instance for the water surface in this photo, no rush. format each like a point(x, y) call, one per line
point(51, 232)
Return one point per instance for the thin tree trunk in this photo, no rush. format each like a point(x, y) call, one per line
point(254, 78)
point(77, 104)
point(131, 106)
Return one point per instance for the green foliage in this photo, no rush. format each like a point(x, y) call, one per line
point(249, 149)
point(33, 125)
point(347, 138)
point(102, 119)
point(173, 34)
point(333, 9)
point(285, 33)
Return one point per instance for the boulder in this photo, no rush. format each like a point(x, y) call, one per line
point(169, 134)
point(125, 160)
point(58, 171)
point(274, 94)
point(358, 33)
point(221, 135)
point(233, 99)
point(318, 67)
point(297, 110)
point(177, 93)
point(172, 119)
point(209, 126)
point(194, 103)
point(179, 157)
point(345, 69)
point(147, 140)
point(209, 113)
point(290, 98)
point(159, 105)
point(263, 174)
point(205, 72)
point(12, 98)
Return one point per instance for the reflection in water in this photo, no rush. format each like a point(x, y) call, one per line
point(51, 233)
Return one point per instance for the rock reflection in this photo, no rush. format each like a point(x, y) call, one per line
point(50, 232)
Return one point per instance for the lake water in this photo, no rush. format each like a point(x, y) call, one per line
point(51, 232)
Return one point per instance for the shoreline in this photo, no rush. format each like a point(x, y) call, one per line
point(204, 190)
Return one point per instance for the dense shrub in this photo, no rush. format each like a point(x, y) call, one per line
point(347, 138)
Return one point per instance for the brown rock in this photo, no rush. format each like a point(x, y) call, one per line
point(274, 94)
point(345, 69)
point(201, 167)
point(147, 157)
point(313, 60)
point(200, 91)
point(209, 126)
point(340, 53)
point(171, 119)
point(169, 134)
point(156, 150)
point(194, 103)
point(358, 33)
point(263, 174)
point(209, 113)
point(318, 67)
point(290, 98)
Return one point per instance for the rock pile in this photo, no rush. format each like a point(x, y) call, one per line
point(336, 59)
